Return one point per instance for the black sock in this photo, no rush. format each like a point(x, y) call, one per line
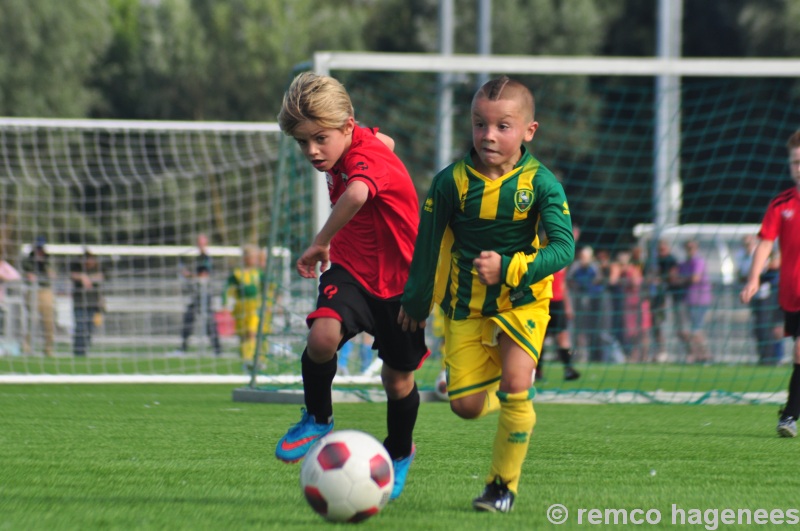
point(317, 381)
point(793, 402)
point(401, 417)
point(565, 356)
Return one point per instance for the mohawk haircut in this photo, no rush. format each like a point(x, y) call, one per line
point(505, 88)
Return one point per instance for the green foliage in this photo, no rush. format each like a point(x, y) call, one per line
point(772, 28)
point(46, 54)
point(186, 457)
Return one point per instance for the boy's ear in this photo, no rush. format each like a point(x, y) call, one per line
point(531, 130)
point(349, 125)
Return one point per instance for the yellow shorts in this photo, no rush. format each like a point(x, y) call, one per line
point(245, 316)
point(473, 356)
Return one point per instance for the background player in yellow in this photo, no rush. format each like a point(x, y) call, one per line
point(244, 288)
point(478, 256)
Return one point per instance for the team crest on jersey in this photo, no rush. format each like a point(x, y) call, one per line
point(788, 213)
point(523, 200)
point(428, 205)
point(344, 178)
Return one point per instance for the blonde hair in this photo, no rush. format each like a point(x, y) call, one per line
point(505, 88)
point(320, 99)
point(251, 254)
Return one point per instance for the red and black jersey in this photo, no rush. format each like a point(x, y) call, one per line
point(376, 245)
point(782, 222)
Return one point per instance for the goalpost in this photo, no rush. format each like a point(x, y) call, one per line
point(150, 184)
point(609, 133)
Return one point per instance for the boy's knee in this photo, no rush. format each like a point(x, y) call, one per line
point(321, 349)
point(323, 342)
point(397, 384)
point(469, 407)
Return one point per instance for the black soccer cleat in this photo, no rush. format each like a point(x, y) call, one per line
point(571, 374)
point(496, 498)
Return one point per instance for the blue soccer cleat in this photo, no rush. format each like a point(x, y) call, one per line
point(401, 467)
point(300, 438)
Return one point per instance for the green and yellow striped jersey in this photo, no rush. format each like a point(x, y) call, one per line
point(465, 213)
point(243, 284)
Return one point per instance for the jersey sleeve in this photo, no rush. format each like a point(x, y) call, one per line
point(523, 269)
point(417, 298)
point(771, 224)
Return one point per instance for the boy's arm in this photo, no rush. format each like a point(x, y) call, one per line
point(760, 256)
point(523, 269)
point(417, 296)
point(343, 211)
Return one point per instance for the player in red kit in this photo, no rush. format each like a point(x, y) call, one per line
point(782, 222)
point(364, 251)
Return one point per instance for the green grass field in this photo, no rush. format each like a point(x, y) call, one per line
point(188, 457)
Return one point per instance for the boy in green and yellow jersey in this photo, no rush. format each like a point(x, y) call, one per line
point(479, 257)
point(244, 288)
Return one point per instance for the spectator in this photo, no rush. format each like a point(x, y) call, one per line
point(586, 283)
point(87, 299)
point(7, 274)
point(697, 300)
point(200, 297)
point(615, 286)
point(667, 291)
point(39, 277)
point(635, 309)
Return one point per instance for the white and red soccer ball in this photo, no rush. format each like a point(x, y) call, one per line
point(347, 476)
point(440, 387)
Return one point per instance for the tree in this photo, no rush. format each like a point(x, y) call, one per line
point(157, 65)
point(46, 54)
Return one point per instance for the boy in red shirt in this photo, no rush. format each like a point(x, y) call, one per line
point(782, 222)
point(364, 251)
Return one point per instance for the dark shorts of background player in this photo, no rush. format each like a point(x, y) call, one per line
point(791, 324)
point(342, 297)
point(558, 318)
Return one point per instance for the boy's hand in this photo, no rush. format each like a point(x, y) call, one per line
point(488, 266)
point(307, 263)
point(407, 323)
point(749, 289)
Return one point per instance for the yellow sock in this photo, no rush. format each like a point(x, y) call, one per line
point(491, 403)
point(514, 430)
point(248, 349)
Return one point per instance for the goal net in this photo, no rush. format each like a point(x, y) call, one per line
point(647, 150)
point(137, 195)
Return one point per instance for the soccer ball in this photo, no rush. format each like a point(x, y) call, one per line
point(347, 476)
point(440, 388)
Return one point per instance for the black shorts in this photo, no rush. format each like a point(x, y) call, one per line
point(558, 317)
point(342, 297)
point(791, 324)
